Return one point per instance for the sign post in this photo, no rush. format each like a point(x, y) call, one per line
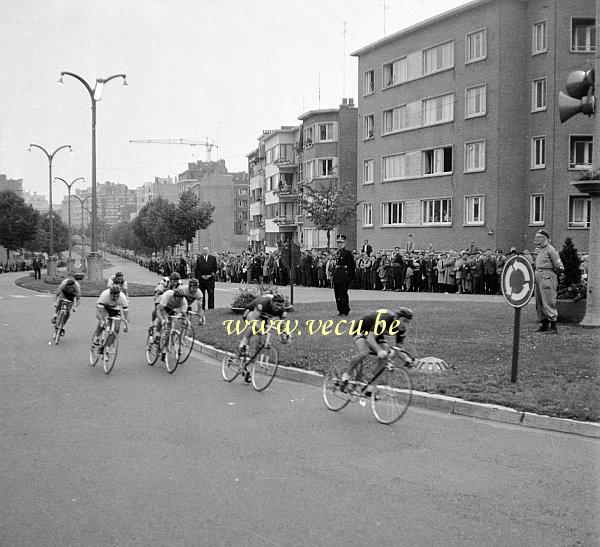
point(290, 257)
point(517, 288)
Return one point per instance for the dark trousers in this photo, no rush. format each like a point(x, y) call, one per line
point(207, 286)
point(37, 273)
point(340, 289)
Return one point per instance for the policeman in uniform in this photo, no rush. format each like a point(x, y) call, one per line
point(548, 266)
point(343, 274)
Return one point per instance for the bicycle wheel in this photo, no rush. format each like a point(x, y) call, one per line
point(264, 368)
point(94, 352)
point(187, 343)
point(391, 395)
point(58, 326)
point(172, 353)
point(230, 368)
point(110, 353)
point(335, 399)
point(152, 349)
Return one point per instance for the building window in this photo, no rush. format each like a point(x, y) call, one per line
point(474, 156)
point(538, 95)
point(436, 211)
point(325, 132)
point(367, 214)
point(536, 210)
point(438, 58)
point(368, 127)
point(394, 119)
point(393, 167)
point(475, 46)
point(325, 167)
point(474, 210)
point(583, 35)
point(580, 212)
point(368, 172)
point(437, 161)
point(438, 109)
point(369, 82)
point(241, 203)
point(301, 172)
point(308, 136)
point(240, 215)
point(538, 152)
point(539, 37)
point(581, 152)
point(475, 104)
point(395, 72)
point(392, 213)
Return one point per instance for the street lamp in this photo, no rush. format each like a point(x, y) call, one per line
point(50, 158)
point(95, 96)
point(69, 208)
point(82, 201)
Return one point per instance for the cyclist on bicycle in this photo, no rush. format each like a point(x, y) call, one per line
point(111, 303)
point(171, 282)
point(118, 279)
point(171, 303)
point(263, 308)
point(371, 340)
point(69, 290)
point(191, 293)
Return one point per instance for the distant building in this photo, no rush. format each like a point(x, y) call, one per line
point(37, 201)
point(460, 138)
point(228, 192)
point(161, 187)
point(12, 185)
point(116, 202)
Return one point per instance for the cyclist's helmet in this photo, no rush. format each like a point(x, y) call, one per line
point(70, 282)
point(193, 282)
point(119, 274)
point(406, 313)
point(278, 298)
point(174, 276)
point(165, 280)
point(178, 293)
point(115, 290)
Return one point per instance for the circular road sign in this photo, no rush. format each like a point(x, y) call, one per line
point(517, 281)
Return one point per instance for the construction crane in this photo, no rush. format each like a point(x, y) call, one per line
point(187, 142)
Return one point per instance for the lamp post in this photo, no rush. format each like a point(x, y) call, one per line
point(95, 272)
point(69, 209)
point(50, 158)
point(82, 201)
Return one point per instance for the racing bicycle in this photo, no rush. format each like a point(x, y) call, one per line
point(188, 336)
point(167, 345)
point(257, 365)
point(61, 318)
point(390, 389)
point(109, 343)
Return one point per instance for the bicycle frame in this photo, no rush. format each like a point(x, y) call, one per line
point(371, 382)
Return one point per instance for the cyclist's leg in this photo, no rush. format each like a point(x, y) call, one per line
point(362, 345)
point(381, 363)
point(250, 317)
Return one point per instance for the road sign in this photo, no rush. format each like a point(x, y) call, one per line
point(517, 281)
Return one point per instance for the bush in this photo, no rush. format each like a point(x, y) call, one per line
point(246, 296)
point(571, 262)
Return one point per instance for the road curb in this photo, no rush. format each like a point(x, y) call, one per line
point(443, 403)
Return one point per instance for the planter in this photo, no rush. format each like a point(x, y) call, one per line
point(238, 311)
point(571, 311)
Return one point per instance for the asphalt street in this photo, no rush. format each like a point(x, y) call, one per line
point(144, 457)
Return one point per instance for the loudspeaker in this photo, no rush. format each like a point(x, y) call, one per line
point(579, 83)
point(568, 107)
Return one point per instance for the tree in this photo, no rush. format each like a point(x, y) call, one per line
point(18, 222)
point(155, 226)
point(121, 235)
point(329, 205)
point(192, 215)
point(41, 242)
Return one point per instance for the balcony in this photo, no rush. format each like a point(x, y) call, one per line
point(280, 224)
point(257, 208)
point(256, 234)
point(257, 182)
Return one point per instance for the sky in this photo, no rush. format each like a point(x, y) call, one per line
point(220, 71)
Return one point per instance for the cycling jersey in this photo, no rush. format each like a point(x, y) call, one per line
point(381, 321)
point(170, 305)
point(264, 305)
point(69, 292)
point(111, 283)
point(113, 307)
point(191, 296)
point(161, 288)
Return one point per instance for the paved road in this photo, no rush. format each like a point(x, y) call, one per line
point(144, 457)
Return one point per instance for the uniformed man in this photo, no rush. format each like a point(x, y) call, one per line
point(343, 274)
point(548, 266)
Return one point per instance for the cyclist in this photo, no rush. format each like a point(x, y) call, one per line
point(111, 303)
point(368, 342)
point(263, 308)
point(171, 282)
point(118, 279)
point(191, 292)
point(171, 303)
point(69, 290)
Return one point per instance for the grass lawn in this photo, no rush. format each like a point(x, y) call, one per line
point(50, 284)
point(558, 374)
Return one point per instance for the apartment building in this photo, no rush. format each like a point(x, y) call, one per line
point(37, 201)
point(11, 185)
point(459, 134)
point(116, 203)
point(163, 187)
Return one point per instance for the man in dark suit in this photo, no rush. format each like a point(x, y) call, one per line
point(205, 272)
point(366, 248)
point(343, 274)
